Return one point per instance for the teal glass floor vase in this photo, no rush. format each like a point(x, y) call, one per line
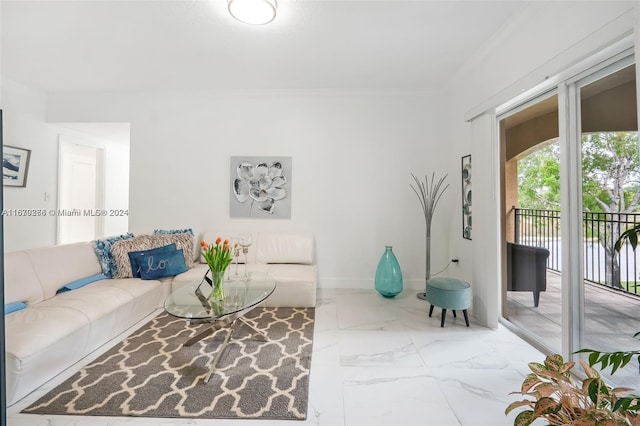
point(388, 274)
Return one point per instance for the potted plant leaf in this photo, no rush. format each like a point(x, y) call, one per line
point(555, 395)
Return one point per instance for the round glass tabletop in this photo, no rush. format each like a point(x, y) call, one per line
point(191, 301)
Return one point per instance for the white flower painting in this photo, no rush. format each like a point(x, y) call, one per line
point(260, 187)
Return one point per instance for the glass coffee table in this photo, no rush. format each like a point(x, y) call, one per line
point(240, 296)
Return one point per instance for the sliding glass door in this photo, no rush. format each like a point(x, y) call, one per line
point(532, 300)
point(608, 131)
point(570, 186)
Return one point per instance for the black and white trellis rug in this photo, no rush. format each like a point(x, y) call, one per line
point(150, 373)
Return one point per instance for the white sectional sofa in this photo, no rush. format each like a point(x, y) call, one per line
point(56, 330)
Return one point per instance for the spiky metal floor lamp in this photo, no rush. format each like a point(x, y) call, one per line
point(429, 193)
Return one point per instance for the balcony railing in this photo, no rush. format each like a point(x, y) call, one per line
point(602, 264)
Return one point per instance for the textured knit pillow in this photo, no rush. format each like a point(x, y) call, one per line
point(121, 249)
point(103, 251)
point(173, 231)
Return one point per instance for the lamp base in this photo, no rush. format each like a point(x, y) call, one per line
point(422, 296)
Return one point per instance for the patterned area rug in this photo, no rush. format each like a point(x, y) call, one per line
point(150, 373)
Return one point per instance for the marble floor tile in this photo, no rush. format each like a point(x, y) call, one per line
point(394, 396)
point(479, 397)
point(478, 348)
point(377, 361)
point(367, 310)
point(378, 348)
point(326, 398)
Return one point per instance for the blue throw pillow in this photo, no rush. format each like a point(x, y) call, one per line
point(14, 306)
point(164, 264)
point(173, 231)
point(138, 258)
point(82, 282)
point(103, 251)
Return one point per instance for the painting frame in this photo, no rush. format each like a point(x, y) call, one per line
point(260, 187)
point(466, 197)
point(15, 166)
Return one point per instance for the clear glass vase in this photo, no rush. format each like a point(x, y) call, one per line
point(217, 286)
point(388, 274)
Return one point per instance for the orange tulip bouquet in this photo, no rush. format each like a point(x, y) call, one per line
point(218, 256)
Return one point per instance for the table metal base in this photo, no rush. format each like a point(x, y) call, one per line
point(422, 296)
point(231, 325)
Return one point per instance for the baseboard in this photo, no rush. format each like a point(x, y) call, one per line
point(411, 284)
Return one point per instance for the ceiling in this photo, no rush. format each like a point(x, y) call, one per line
point(154, 45)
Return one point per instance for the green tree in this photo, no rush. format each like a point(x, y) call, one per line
point(610, 184)
point(610, 172)
point(539, 178)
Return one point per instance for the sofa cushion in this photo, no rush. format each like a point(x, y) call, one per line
point(40, 343)
point(285, 248)
point(102, 248)
point(59, 265)
point(21, 283)
point(36, 328)
point(138, 258)
point(93, 303)
point(147, 295)
point(121, 249)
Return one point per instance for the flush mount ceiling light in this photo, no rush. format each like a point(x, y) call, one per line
point(254, 12)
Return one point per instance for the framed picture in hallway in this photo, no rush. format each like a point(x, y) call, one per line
point(260, 187)
point(466, 197)
point(15, 165)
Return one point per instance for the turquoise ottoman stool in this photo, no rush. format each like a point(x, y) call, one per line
point(449, 293)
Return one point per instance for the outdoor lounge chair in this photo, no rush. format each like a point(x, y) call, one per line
point(527, 269)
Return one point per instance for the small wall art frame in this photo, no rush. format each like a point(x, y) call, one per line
point(15, 166)
point(260, 187)
point(466, 197)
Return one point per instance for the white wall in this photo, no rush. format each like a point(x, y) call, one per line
point(26, 126)
point(547, 38)
point(352, 157)
point(116, 195)
point(24, 111)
